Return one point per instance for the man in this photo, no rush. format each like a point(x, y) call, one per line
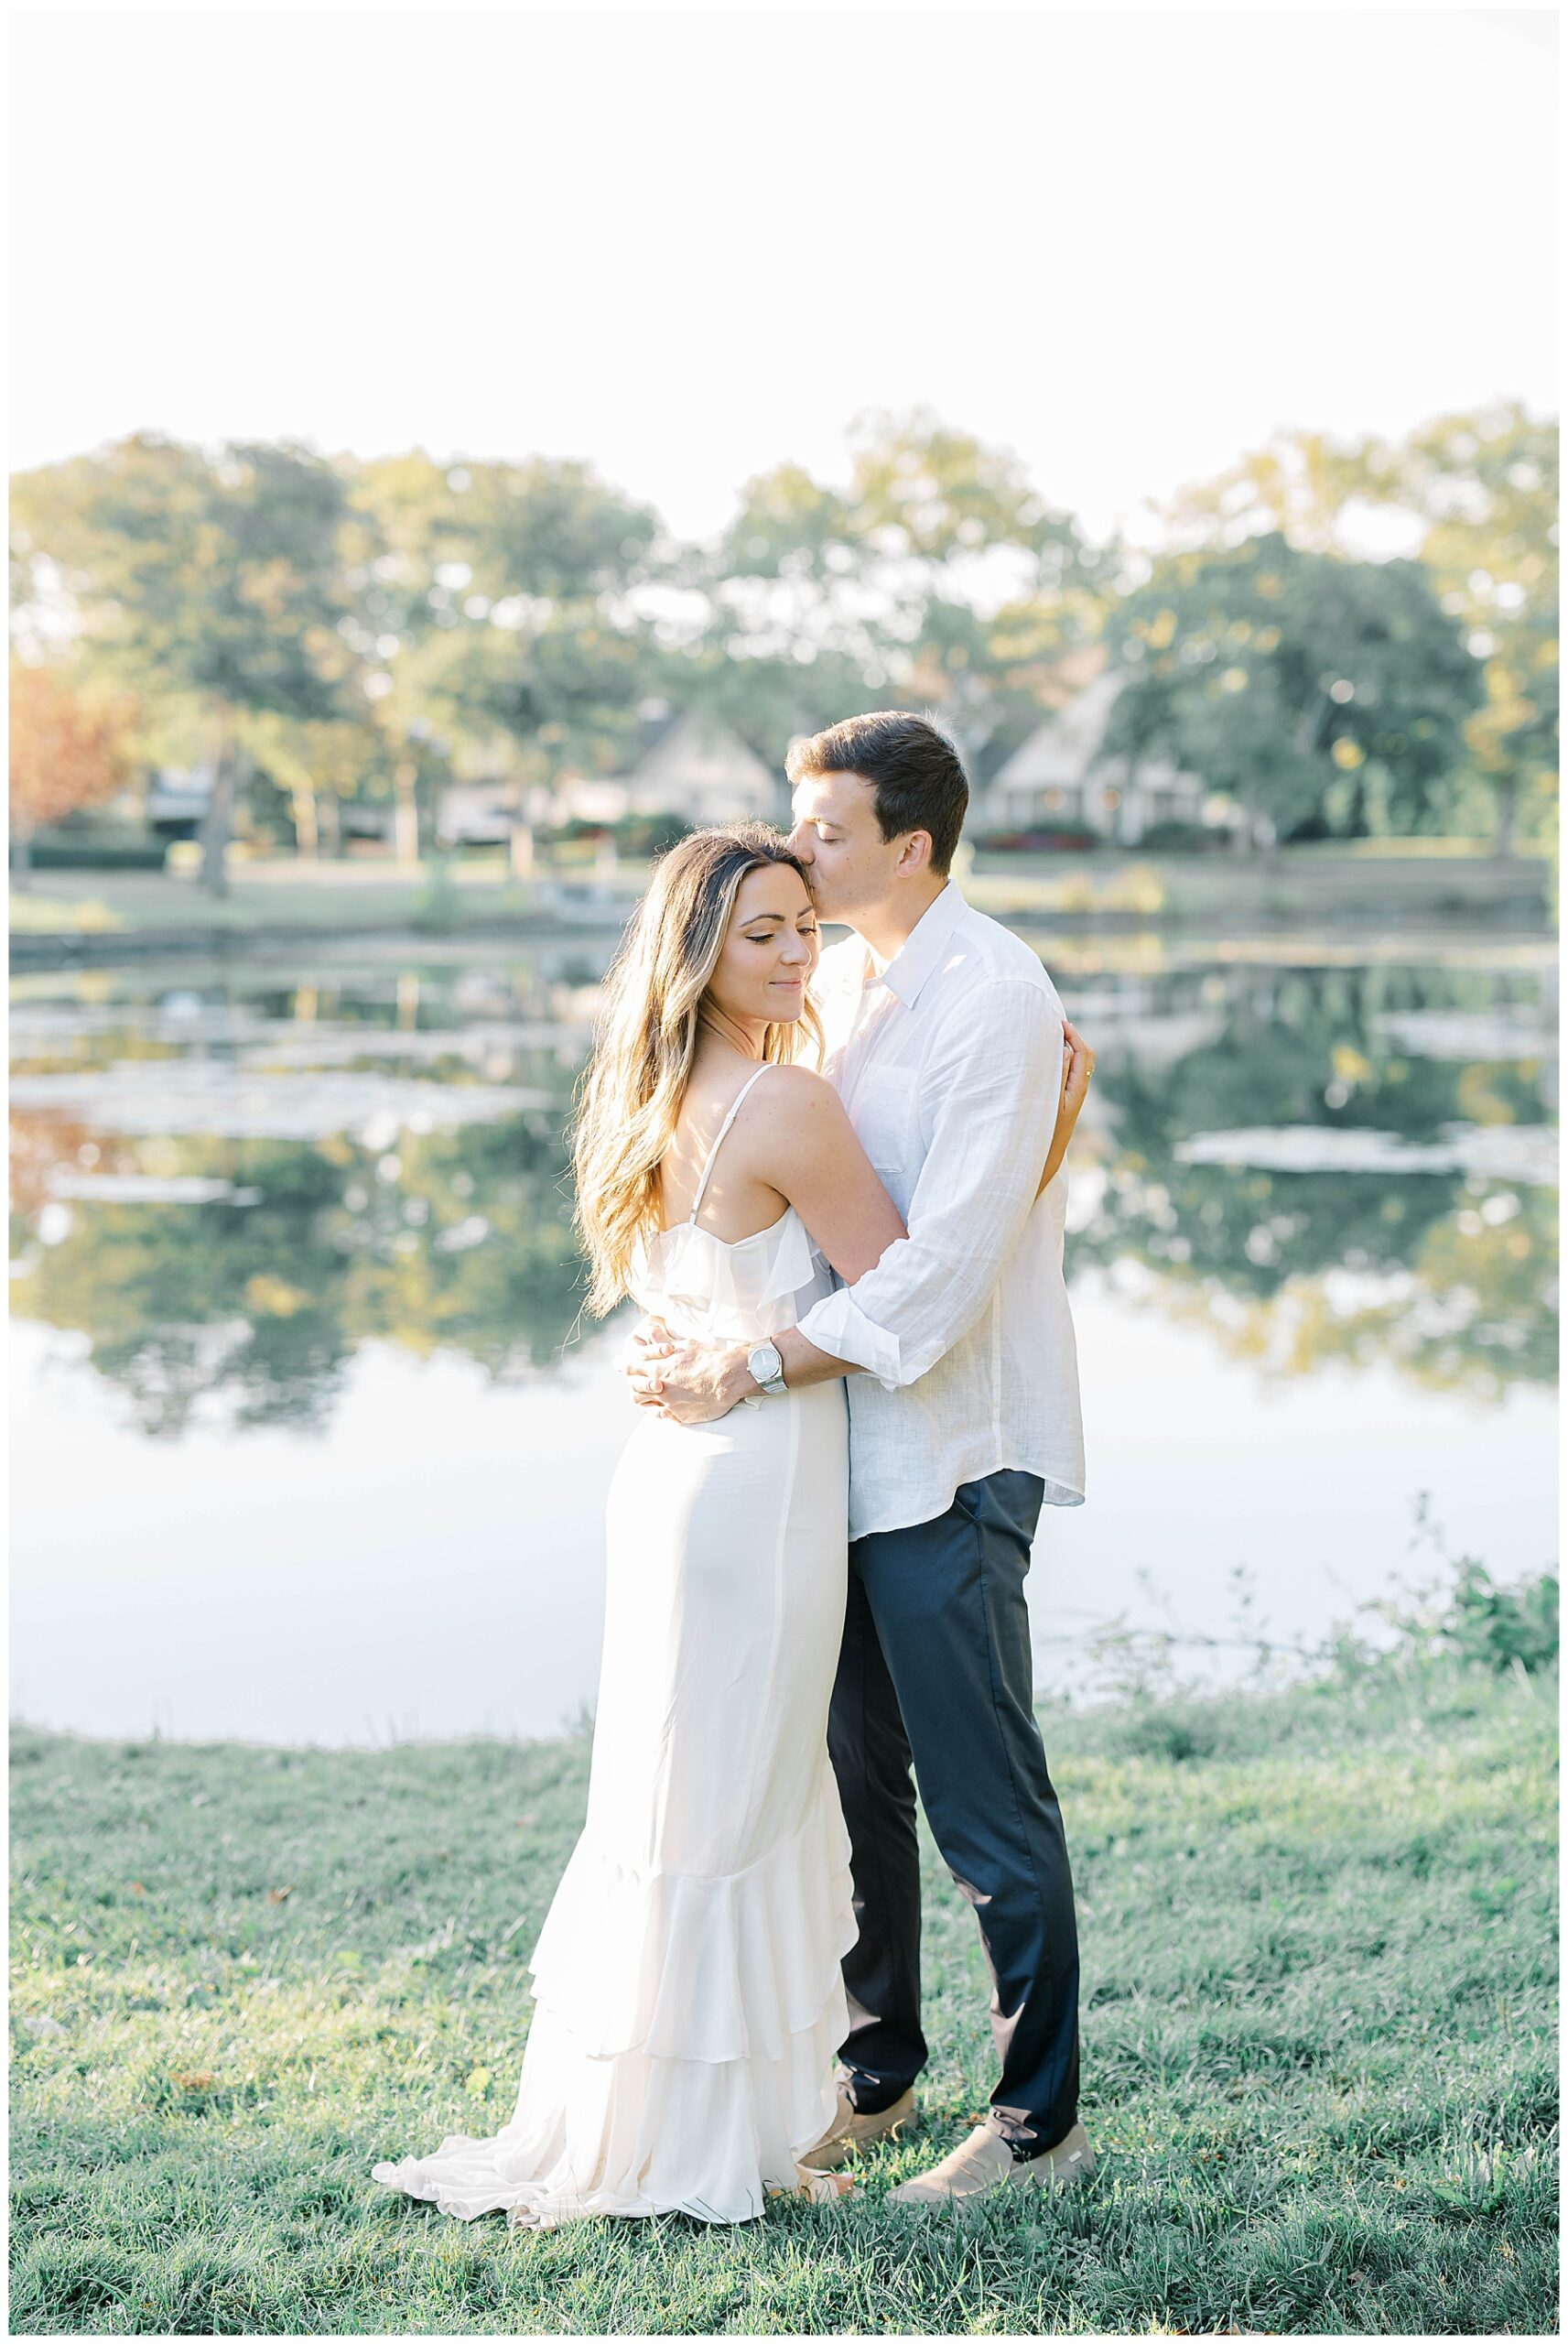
point(946, 1042)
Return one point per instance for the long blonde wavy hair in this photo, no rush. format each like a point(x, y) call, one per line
point(630, 1098)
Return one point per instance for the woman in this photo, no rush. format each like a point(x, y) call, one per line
point(689, 2000)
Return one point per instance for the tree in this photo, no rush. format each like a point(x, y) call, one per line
point(937, 576)
point(215, 578)
point(495, 608)
point(1304, 486)
point(318, 767)
point(71, 747)
point(1480, 492)
point(1486, 486)
point(1327, 695)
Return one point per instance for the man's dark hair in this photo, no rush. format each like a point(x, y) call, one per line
point(914, 769)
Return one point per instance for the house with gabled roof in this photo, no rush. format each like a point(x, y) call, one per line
point(1062, 774)
point(695, 768)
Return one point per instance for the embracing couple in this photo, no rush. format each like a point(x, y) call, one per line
point(857, 1386)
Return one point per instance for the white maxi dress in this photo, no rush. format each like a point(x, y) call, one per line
point(689, 2004)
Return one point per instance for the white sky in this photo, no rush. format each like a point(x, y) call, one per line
point(688, 243)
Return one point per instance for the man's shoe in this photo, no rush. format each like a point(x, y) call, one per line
point(850, 2132)
point(985, 2162)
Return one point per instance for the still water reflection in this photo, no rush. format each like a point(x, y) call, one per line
point(312, 1440)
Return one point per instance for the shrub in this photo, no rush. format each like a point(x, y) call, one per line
point(1495, 1626)
point(1177, 1733)
point(439, 904)
point(634, 834)
point(650, 833)
point(84, 852)
point(1063, 838)
point(1183, 838)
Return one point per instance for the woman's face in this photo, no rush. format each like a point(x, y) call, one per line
point(770, 949)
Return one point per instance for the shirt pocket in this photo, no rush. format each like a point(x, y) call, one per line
point(885, 1114)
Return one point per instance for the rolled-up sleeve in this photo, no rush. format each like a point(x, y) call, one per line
point(996, 1081)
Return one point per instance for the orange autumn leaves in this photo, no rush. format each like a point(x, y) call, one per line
point(71, 744)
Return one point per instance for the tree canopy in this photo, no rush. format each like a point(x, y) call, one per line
point(72, 745)
point(354, 627)
point(1478, 496)
point(1315, 689)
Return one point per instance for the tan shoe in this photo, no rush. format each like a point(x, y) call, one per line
point(821, 2188)
point(985, 2162)
point(849, 2131)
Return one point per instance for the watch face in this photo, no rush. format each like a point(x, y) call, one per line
point(765, 1362)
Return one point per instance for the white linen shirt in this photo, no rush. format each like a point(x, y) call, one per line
point(948, 1058)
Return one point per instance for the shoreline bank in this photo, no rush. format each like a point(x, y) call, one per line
point(127, 916)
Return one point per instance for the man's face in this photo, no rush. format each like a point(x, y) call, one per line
point(836, 833)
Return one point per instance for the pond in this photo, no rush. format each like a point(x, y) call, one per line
point(311, 1441)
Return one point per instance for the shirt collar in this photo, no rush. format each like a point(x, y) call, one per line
point(920, 955)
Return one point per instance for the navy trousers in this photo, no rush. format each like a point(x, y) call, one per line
point(936, 1669)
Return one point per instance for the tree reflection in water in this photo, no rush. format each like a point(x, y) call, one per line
point(460, 1237)
point(1452, 1279)
point(266, 1304)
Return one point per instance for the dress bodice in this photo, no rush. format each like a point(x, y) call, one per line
point(728, 1290)
point(717, 1291)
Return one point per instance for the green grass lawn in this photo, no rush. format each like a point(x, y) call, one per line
point(265, 897)
point(1318, 1937)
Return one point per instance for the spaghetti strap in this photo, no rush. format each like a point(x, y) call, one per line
point(723, 1130)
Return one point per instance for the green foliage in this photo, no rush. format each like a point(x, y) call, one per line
point(213, 581)
point(1482, 490)
point(218, 579)
point(438, 907)
point(1185, 837)
point(938, 578)
point(360, 619)
point(1469, 1616)
point(1452, 1283)
point(1319, 2066)
point(1056, 838)
point(95, 850)
point(314, 1269)
point(649, 834)
point(1329, 695)
point(1456, 1288)
point(1464, 1616)
point(1487, 488)
point(1501, 1627)
point(634, 835)
point(492, 608)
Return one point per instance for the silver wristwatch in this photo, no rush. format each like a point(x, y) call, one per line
point(766, 1368)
